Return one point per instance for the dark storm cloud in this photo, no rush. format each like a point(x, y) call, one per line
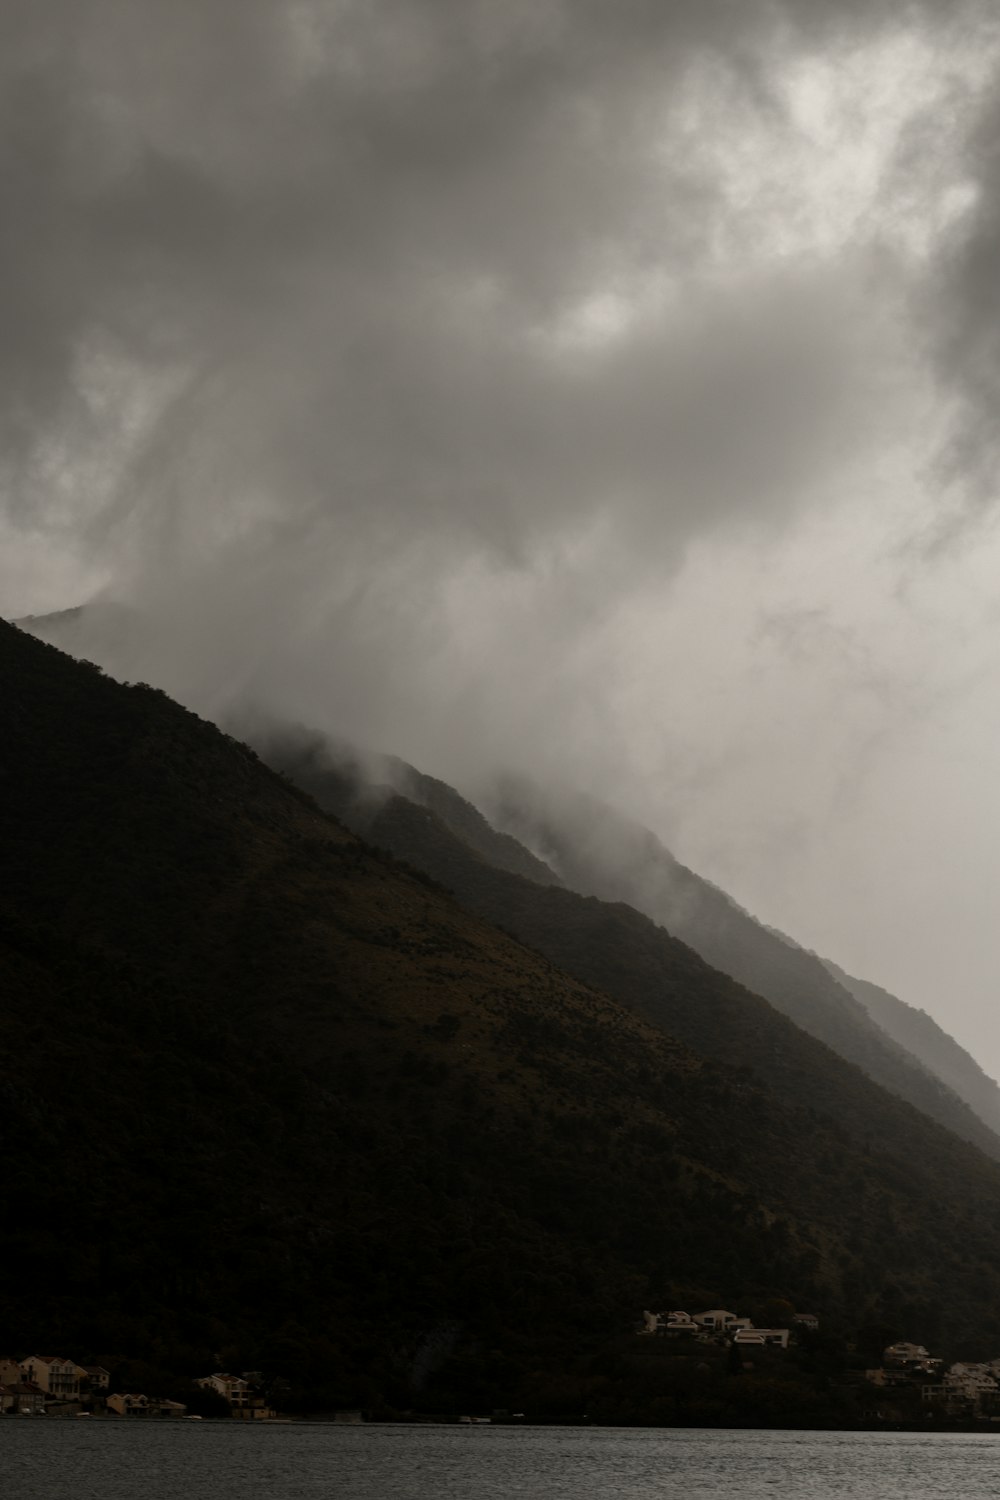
point(313, 314)
point(350, 227)
point(964, 315)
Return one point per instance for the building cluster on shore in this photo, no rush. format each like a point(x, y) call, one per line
point(911, 1385)
point(50, 1385)
point(910, 1373)
point(717, 1326)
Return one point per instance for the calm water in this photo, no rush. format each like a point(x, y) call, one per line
point(53, 1460)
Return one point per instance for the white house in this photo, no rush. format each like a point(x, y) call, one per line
point(718, 1320)
point(678, 1323)
point(57, 1377)
point(233, 1388)
point(969, 1385)
point(128, 1404)
point(776, 1338)
point(671, 1323)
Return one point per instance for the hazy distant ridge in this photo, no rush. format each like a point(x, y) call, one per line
point(359, 785)
point(922, 1037)
point(612, 943)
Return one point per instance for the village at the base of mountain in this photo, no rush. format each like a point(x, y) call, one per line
point(908, 1383)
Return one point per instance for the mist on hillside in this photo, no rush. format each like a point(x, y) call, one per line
point(596, 393)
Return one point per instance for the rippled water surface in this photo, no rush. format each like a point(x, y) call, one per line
point(102, 1460)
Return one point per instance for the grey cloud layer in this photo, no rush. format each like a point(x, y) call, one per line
point(363, 214)
point(309, 309)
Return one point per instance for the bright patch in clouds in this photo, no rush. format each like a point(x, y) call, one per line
point(844, 149)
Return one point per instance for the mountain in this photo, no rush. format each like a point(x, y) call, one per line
point(598, 852)
point(567, 839)
point(613, 946)
point(271, 1100)
point(924, 1039)
point(360, 785)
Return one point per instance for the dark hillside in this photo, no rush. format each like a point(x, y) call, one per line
point(618, 950)
point(270, 1100)
point(587, 846)
point(358, 787)
point(600, 853)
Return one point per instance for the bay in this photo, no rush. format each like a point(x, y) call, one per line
point(100, 1460)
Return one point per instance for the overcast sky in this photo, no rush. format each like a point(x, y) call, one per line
point(605, 389)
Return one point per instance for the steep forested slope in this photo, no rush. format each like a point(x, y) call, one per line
point(270, 1100)
point(615, 947)
point(590, 848)
point(360, 785)
point(600, 853)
